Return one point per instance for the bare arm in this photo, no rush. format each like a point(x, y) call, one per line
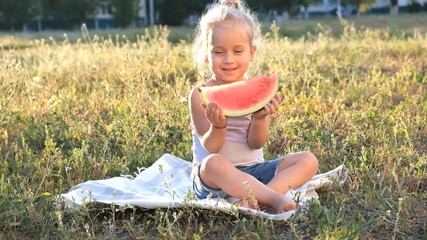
point(209, 122)
point(260, 125)
point(258, 132)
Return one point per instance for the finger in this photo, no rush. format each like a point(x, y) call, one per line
point(278, 97)
point(213, 104)
point(209, 111)
point(270, 108)
point(220, 113)
point(217, 110)
point(213, 114)
point(275, 103)
point(265, 110)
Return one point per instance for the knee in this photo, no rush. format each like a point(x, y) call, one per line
point(310, 161)
point(212, 164)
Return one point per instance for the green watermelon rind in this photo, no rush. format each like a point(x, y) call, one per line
point(243, 112)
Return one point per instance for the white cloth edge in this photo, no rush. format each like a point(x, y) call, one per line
point(167, 184)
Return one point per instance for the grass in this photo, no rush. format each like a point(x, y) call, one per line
point(73, 110)
point(404, 25)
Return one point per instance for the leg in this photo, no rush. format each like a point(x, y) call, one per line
point(294, 170)
point(218, 173)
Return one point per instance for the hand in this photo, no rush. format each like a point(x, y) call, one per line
point(270, 108)
point(214, 115)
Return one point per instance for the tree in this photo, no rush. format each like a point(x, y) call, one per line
point(394, 9)
point(17, 13)
point(174, 12)
point(124, 11)
point(305, 4)
point(74, 12)
point(51, 9)
point(78, 11)
point(282, 7)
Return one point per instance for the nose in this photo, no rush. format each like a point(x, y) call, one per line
point(228, 58)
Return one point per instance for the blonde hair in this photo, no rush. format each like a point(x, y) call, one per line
point(220, 11)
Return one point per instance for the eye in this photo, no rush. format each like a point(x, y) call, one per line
point(238, 51)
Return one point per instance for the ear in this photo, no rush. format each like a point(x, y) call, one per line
point(252, 51)
point(206, 60)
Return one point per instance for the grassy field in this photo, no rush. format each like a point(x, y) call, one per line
point(402, 26)
point(97, 105)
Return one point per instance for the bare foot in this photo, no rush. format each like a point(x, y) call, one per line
point(267, 209)
point(283, 203)
point(247, 203)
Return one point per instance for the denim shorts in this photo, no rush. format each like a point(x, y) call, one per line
point(264, 172)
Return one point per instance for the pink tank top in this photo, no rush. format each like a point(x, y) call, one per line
point(235, 148)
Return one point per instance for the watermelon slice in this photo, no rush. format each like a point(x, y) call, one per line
point(243, 97)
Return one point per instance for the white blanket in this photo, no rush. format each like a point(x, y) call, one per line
point(167, 184)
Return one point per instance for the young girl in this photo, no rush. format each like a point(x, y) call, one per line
point(228, 151)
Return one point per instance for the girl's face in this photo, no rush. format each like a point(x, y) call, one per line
point(229, 52)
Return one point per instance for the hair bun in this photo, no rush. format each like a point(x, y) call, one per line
point(231, 3)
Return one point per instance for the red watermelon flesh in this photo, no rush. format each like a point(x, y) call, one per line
point(243, 97)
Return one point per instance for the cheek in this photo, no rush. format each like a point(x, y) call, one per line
point(213, 60)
